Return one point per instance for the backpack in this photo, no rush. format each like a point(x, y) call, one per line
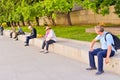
point(116, 44)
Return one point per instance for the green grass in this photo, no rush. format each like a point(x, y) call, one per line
point(70, 32)
point(74, 32)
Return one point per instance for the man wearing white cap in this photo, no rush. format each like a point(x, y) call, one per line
point(32, 35)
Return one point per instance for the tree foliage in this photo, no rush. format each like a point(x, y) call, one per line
point(28, 10)
point(53, 7)
point(100, 6)
point(24, 10)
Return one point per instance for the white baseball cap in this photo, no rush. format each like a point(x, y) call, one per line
point(29, 27)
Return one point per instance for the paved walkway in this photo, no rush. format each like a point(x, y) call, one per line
point(18, 62)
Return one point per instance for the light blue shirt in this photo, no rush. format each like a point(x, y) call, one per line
point(105, 43)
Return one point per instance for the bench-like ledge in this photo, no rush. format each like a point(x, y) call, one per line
point(77, 50)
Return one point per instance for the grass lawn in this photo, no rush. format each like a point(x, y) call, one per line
point(74, 32)
point(71, 32)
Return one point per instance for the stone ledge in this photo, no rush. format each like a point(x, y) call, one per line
point(77, 50)
point(114, 30)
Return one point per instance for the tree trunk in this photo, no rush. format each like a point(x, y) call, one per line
point(69, 19)
point(37, 20)
point(14, 23)
point(8, 24)
point(23, 23)
point(29, 23)
point(18, 23)
point(52, 20)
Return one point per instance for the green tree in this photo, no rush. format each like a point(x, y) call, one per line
point(13, 11)
point(53, 7)
point(117, 7)
point(8, 11)
point(38, 11)
point(8, 7)
point(98, 6)
point(31, 10)
point(65, 6)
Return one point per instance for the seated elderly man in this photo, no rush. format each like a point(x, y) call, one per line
point(31, 36)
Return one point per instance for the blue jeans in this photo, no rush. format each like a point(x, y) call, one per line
point(28, 38)
point(100, 55)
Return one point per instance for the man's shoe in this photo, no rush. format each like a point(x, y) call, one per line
point(42, 50)
point(26, 44)
point(99, 72)
point(16, 39)
point(91, 68)
point(46, 51)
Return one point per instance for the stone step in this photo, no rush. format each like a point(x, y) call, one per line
point(18, 62)
point(77, 50)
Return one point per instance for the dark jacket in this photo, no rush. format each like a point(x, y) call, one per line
point(33, 33)
point(1, 28)
point(20, 31)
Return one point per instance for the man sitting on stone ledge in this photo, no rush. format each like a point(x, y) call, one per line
point(106, 50)
point(31, 36)
point(1, 30)
point(13, 30)
point(48, 39)
point(19, 32)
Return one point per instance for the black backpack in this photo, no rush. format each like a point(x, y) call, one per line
point(116, 44)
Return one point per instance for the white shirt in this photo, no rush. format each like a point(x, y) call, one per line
point(51, 36)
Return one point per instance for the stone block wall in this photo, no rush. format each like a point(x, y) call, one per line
point(86, 17)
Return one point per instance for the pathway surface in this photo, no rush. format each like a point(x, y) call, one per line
point(18, 62)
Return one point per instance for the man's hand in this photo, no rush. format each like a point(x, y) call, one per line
point(91, 49)
point(92, 44)
point(107, 60)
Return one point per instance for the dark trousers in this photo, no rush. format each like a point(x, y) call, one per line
point(1, 33)
point(11, 34)
point(47, 43)
point(100, 55)
point(16, 35)
point(28, 38)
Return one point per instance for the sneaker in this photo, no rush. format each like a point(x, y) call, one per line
point(26, 44)
point(99, 72)
point(42, 50)
point(46, 51)
point(91, 68)
point(14, 37)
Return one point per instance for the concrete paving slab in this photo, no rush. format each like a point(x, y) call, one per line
point(18, 62)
